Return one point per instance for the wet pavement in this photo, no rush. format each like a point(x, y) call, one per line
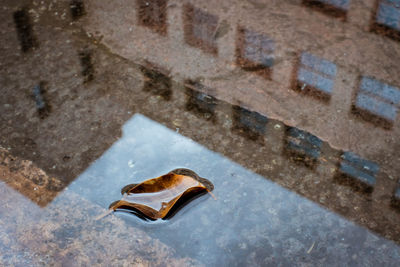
point(290, 108)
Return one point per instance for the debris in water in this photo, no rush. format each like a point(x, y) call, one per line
point(311, 248)
point(159, 197)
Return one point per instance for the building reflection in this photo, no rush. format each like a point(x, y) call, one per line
point(200, 29)
point(85, 56)
point(386, 20)
point(334, 8)
point(302, 146)
point(157, 80)
point(153, 14)
point(377, 102)
point(200, 99)
point(255, 52)
point(77, 9)
point(396, 197)
point(250, 123)
point(315, 76)
point(357, 172)
point(24, 30)
point(39, 94)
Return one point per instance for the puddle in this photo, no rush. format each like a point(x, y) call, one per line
point(289, 109)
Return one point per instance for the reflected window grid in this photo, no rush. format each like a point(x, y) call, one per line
point(255, 52)
point(251, 120)
point(362, 170)
point(157, 81)
point(153, 14)
point(316, 75)
point(303, 143)
point(200, 29)
point(388, 14)
point(378, 98)
point(200, 97)
point(258, 48)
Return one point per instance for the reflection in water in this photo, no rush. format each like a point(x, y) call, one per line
point(315, 76)
point(396, 196)
point(377, 102)
point(387, 18)
point(85, 57)
point(302, 146)
point(255, 52)
point(262, 222)
point(358, 172)
point(157, 81)
point(200, 29)
point(201, 99)
point(335, 8)
point(153, 14)
point(77, 8)
point(251, 123)
point(39, 94)
point(24, 30)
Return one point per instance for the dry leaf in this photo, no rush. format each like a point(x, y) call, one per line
point(158, 197)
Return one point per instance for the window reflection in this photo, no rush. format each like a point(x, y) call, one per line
point(251, 123)
point(200, 29)
point(396, 196)
point(24, 30)
point(157, 80)
point(255, 52)
point(315, 76)
point(377, 101)
point(387, 18)
point(85, 56)
point(302, 146)
point(335, 8)
point(201, 99)
point(357, 172)
point(77, 9)
point(41, 100)
point(153, 14)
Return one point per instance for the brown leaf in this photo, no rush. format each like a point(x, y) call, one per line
point(156, 198)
